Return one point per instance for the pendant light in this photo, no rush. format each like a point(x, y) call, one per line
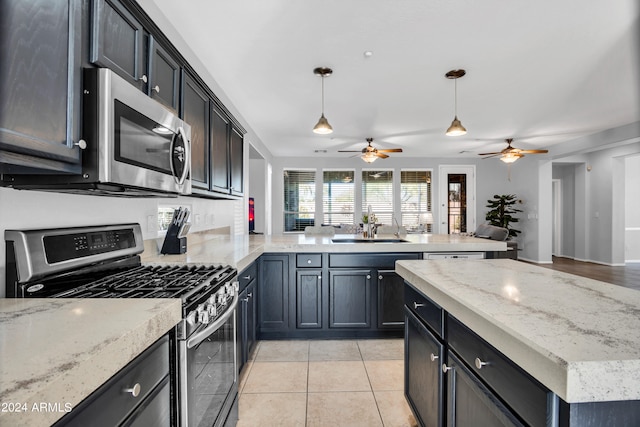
point(456, 128)
point(322, 127)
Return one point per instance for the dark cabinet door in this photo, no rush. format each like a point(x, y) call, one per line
point(236, 162)
point(350, 298)
point(247, 311)
point(195, 111)
point(164, 76)
point(273, 304)
point(40, 85)
point(470, 402)
point(308, 299)
point(220, 129)
point(423, 385)
point(390, 300)
point(118, 41)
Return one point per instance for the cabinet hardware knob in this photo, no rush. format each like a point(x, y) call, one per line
point(245, 299)
point(249, 295)
point(144, 78)
point(319, 277)
point(446, 368)
point(416, 305)
point(135, 390)
point(480, 363)
point(368, 276)
point(156, 88)
point(433, 357)
point(246, 277)
point(308, 261)
point(380, 277)
point(82, 144)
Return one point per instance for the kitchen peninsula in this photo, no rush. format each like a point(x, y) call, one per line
point(553, 346)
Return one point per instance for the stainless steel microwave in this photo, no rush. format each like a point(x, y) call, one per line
point(132, 144)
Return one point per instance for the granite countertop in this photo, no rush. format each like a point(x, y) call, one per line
point(577, 336)
point(241, 251)
point(58, 351)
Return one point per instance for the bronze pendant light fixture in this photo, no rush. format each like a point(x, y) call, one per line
point(456, 128)
point(322, 127)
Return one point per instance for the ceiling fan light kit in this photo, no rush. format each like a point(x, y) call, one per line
point(370, 154)
point(322, 127)
point(456, 128)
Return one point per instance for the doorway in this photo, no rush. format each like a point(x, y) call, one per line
point(457, 199)
point(259, 194)
point(556, 206)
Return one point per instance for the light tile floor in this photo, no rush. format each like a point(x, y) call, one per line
point(325, 383)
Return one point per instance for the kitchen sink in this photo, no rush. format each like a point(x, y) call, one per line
point(338, 240)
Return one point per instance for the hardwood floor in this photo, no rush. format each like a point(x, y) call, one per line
point(627, 276)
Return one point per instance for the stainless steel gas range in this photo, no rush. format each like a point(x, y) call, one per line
point(104, 262)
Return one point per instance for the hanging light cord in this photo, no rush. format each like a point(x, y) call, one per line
point(455, 97)
point(322, 79)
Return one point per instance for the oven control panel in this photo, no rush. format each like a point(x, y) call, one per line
point(66, 247)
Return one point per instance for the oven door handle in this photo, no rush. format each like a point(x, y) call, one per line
point(202, 335)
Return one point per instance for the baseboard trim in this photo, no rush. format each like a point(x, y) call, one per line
point(535, 261)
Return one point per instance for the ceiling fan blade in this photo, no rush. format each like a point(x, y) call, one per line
point(390, 150)
point(349, 151)
point(382, 156)
point(490, 154)
point(534, 151)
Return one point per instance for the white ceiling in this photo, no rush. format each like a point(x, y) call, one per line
point(539, 71)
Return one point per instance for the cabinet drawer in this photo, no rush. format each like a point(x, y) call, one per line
point(428, 311)
point(370, 260)
point(309, 260)
point(248, 275)
point(526, 396)
point(110, 404)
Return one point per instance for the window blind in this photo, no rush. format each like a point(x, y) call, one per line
point(338, 197)
point(299, 199)
point(415, 198)
point(377, 191)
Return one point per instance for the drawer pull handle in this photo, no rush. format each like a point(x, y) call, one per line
point(433, 357)
point(417, 305)
point(246, 277)
point(480, 363)
point(446, 368)
point(135, 390)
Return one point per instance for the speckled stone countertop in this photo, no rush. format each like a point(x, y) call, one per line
point(241, 251)
point(58, 351)
point(579, 337)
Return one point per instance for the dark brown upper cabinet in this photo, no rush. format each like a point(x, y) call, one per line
point(220, 132)
point(120, 42)
point(195, 111)
point(40, 88)
point(164, 75)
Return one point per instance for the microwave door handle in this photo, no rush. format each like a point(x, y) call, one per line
point(187, 155)
point(202, 335)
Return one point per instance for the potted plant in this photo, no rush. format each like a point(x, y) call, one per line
point(501, 212)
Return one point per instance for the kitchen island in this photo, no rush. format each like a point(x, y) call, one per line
point(575, 337)
point(241, 251)
point(56, 352)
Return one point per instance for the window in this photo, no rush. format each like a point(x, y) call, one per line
point(299, 199)
point(338, 197)
point(377, 191)
point(415, 198)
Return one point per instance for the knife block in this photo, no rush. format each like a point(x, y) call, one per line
point(172, 243)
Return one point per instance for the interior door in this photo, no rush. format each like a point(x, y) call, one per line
point(457, 199)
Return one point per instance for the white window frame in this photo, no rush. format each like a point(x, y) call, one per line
point(354, 196)
point(286, 212)
point(380, 214)
point(427, 214)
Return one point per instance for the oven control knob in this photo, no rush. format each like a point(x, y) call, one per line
point(203, 317)
point(222, 297)
point(212, 310)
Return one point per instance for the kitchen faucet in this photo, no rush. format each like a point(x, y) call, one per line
point(397, 233)
point(369, 218)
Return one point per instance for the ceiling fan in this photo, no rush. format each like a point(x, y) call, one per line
point(511, 154)
point(370, 154)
